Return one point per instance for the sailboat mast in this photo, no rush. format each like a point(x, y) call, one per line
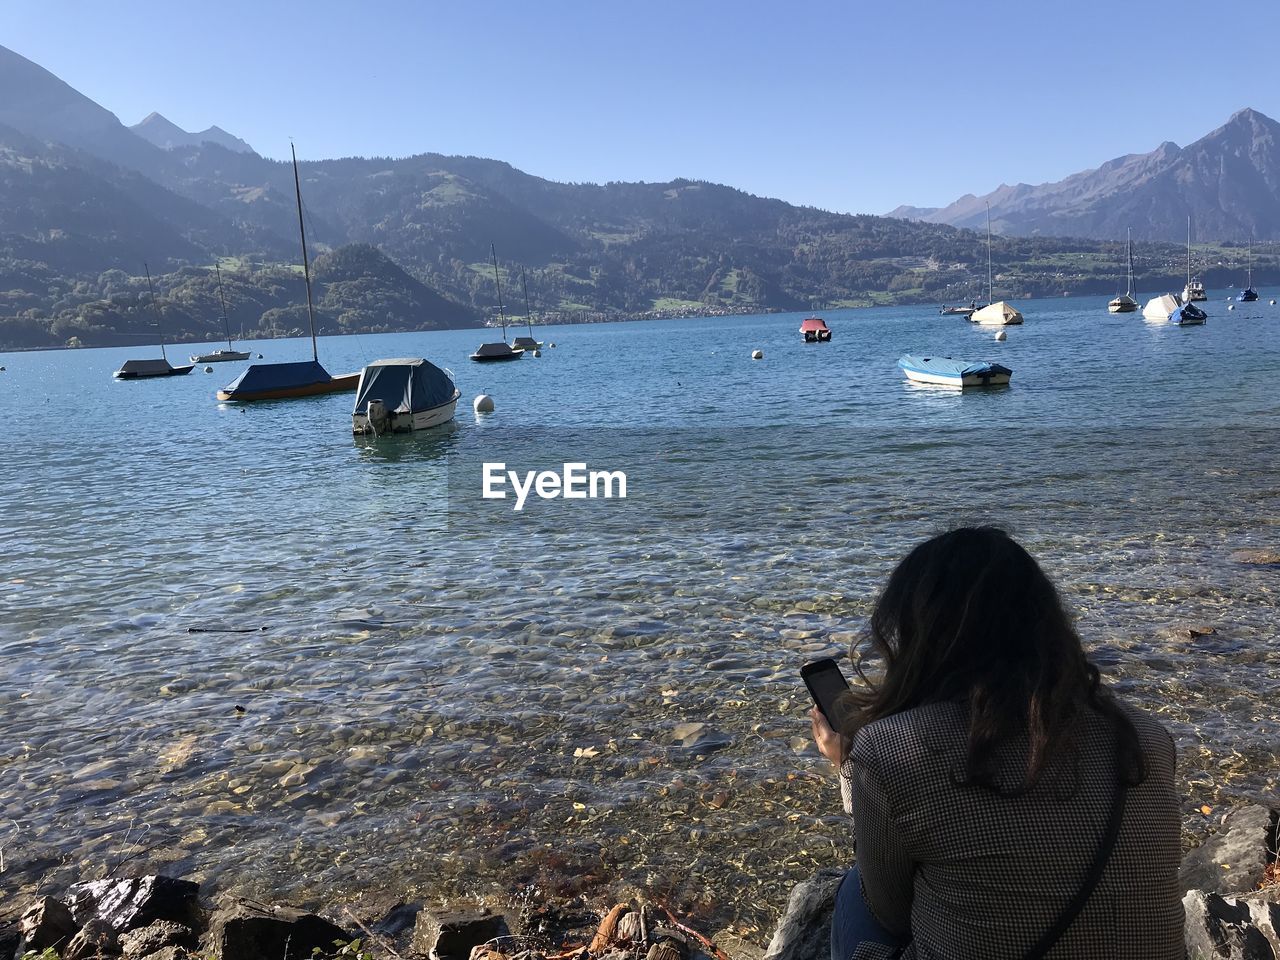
point(306, 264)
point(156, 307)
point(1128, 232)
point(502, 319)
point(528, 314)
point(226, 324)
point(990, 290)
point(1188, 253)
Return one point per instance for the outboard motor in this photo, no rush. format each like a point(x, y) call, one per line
point(379, 421)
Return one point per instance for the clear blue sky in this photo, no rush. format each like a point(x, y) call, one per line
point(851, 106)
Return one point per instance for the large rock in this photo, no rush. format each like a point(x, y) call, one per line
point(1221, 928)
point(47, 923)
point(451, 934)
point(96, 939)
point(242, 930)
point(804, 932)
point(137, 902)
point(10, 939)
point(1233, 859)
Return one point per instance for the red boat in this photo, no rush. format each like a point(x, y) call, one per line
point(815, 330)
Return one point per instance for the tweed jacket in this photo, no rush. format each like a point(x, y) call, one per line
point(972, 875)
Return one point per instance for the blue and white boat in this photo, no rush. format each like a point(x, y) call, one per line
point(954, 373)
point(1170, 308)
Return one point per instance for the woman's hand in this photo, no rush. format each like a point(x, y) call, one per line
point(831, 745)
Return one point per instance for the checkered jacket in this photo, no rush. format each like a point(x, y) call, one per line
point(976, 876)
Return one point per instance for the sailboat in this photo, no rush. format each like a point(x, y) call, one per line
point(496, 352)
point(526, 343)
point(1250, 294)
point(1194, 290)
point(218, 356)
point(1125, 303)
point(281, 381)
point(141, 369)
point(994, 314)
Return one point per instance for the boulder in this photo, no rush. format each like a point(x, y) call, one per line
point(1223, 928)
point(10, 939)
point(153, 938)
point(96, 939)
point(451, 934)
point(243, 930)
point(47, 923)
point(804, 932)
point(132, 903)
point(1233, 859)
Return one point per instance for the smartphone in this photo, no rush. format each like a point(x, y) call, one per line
point(828, 687)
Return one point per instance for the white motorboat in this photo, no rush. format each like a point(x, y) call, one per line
point(1170, 309)
point(944, 371)
point(403, 394)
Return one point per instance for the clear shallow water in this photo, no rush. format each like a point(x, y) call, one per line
point(441, 695)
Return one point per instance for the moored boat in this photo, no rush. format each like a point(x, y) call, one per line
point(815, 330)
point(142, 369)
point(965, 312)
point(1169, 308)
point(996, 312)
point(1249, 295)
point(1001, 314)
point(529, 343)
point(497, 352)
point(145, 369)
point(945, 371)
point(403, 394)
point(1125, 303)
point(286, 381)
point(1194, 290)
point(231, 353)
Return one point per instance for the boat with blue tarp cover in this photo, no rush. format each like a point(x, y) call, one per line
point(954, 373)
point(407, 393)
point(284, 381)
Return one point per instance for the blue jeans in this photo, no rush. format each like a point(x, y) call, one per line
point(853, 924)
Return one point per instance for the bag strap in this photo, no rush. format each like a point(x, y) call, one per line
point(1100, 857)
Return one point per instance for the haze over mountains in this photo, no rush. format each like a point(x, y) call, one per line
point(1227, 181)
point(85, 201)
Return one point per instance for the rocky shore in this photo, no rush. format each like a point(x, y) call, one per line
point(1231, 884)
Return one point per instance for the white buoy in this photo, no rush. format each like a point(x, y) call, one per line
point(1231, 306)
point(483, 404)
point(757, 354)
point(1273, 303)
point(553, 343)
point(1002, 335)
point(537, 353)
point(259, 356)
point(208, 369)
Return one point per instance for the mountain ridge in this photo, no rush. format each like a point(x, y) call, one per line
point(1228, 181)
point(159, 130)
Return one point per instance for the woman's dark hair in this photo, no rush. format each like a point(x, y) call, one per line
point(970, 616)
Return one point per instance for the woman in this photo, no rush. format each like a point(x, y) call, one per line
point(1005, 805)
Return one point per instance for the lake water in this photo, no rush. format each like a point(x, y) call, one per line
point(241, 644)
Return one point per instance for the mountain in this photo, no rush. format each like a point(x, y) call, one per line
point(166, 135)
point(35, 102)
point(1228, 181)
